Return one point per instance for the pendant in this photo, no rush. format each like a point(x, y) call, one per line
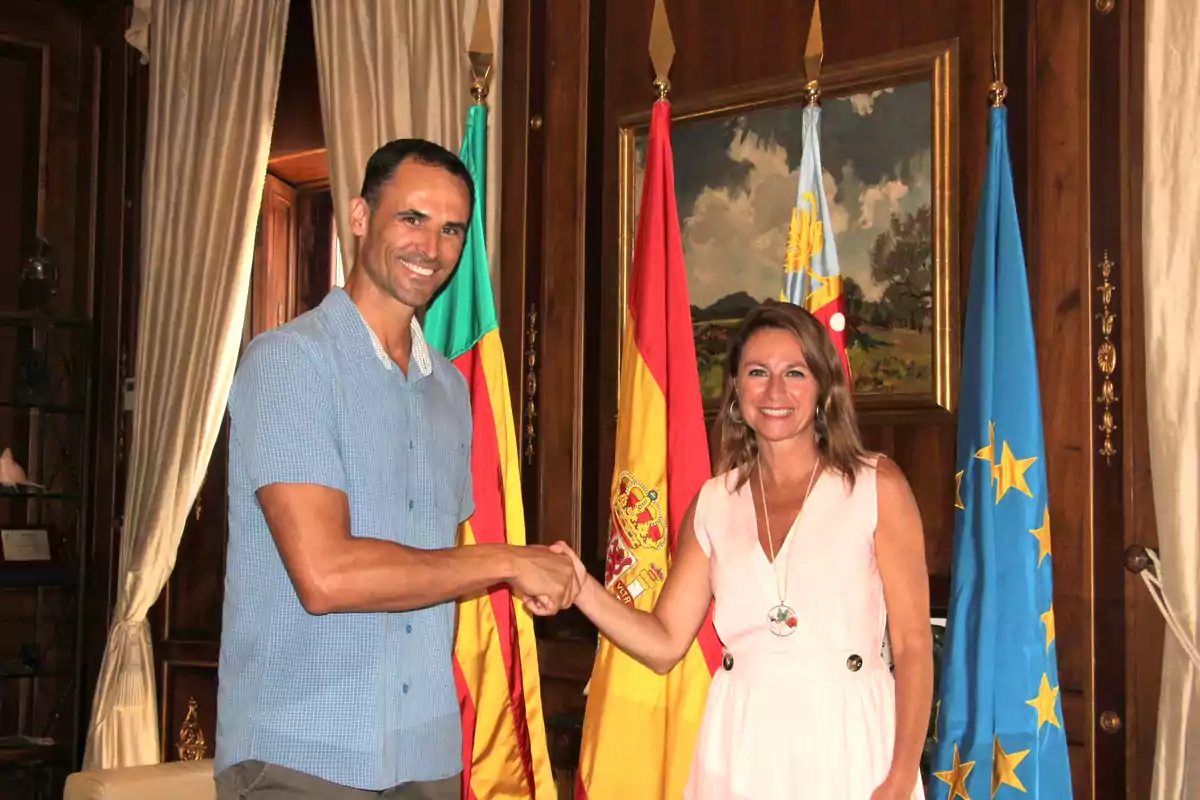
point(782, 620)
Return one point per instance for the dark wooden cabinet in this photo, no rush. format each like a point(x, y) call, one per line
point(68, 89)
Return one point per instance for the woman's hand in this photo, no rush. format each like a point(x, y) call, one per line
point(581, 574)
point(543, 606)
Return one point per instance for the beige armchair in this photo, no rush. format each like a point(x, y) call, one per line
point(190, 778)
point(177, 780)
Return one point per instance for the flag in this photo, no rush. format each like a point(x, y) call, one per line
point(999, 716)
point(813, 278)
point(639, 728)
point(495, 655)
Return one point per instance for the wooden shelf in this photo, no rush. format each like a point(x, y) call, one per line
point(21, 750)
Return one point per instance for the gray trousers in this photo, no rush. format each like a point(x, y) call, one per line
point(254, 780)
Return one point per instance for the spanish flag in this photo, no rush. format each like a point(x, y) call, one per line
point(495, 656)
point(640, 728)
point(813, 276)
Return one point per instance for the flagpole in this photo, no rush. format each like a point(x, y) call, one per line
point(814, 54)
point(998, 91)
point(662, 50)
point(481, 53)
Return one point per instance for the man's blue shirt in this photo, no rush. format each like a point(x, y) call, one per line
point(366, 700)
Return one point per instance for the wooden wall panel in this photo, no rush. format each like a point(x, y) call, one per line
point(187, 686)
point(1073, 121)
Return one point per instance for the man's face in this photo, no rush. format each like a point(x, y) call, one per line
point(412, 240)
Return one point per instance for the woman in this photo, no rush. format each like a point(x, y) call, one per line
point(810, 546)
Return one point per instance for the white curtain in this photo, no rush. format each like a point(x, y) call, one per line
point(1171, 271)
point(214, 77)
point(391, 70)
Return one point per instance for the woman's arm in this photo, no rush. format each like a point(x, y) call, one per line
point(900, 553)
point(658, 638)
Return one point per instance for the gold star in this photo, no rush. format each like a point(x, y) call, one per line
point(1048, 621)
point(958, 503)
point(988, 453)
point(1044, 703)
point(1042, 534)
point(1004, 767)
point(956, 777)
point(1010, 474)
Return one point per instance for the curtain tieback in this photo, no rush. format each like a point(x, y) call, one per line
point(1152, 576)
point(127, 641)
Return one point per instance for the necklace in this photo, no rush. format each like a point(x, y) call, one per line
point(782, 618)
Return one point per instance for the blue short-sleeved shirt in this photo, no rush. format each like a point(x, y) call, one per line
point(365, 700)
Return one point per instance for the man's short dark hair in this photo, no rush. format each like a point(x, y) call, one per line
point(384, 162)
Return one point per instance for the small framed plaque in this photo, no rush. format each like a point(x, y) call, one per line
point(31, 557)
point(25, 544)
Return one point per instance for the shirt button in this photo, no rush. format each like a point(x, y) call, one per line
point(410, 505)
point(404, 688)
point(408, 628)
point(410, 444)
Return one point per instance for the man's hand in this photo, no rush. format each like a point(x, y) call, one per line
point(545, 577)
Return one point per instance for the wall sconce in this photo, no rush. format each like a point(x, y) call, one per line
point(38, 279)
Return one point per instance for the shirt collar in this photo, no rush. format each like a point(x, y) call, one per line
point(419, 351)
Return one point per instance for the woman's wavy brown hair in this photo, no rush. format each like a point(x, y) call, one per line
point(836, 427)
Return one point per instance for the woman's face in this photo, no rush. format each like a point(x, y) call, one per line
point(776, 392)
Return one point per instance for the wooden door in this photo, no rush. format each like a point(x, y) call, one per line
point(273, 294)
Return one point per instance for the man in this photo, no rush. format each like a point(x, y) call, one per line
point(349, 473)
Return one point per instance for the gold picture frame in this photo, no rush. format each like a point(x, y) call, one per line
point(729, 144)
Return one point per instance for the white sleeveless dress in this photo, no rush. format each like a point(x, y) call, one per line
point(810, 715)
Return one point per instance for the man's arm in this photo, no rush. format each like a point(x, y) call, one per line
point(334, 572)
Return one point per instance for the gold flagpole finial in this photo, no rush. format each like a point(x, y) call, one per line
point(814, 54)
point(481, 52)
point(998, 91)
point(662, 49)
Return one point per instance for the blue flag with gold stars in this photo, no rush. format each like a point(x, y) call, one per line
point(999, 717)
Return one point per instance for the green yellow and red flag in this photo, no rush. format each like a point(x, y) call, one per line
point(505, 756)
point(640, 727)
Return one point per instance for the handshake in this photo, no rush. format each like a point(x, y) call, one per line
point(548, 579)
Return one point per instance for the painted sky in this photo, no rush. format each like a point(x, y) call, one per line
point(736, 181)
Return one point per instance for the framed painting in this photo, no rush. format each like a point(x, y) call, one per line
point(889, 157)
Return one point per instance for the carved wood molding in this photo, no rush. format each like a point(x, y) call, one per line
point(1106, 360)
point(191, 745)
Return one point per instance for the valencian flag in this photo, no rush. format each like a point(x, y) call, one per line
point(640, 727)
point(813, 278)
point(495, 655)
point(999, 716)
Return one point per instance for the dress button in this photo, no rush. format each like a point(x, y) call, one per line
point(404, 688)
point(727, 662)
point(410, 505)
point(854, 663)
point(408, 628)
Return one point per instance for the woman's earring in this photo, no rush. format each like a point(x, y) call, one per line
point(820, 425)
point(735, 413)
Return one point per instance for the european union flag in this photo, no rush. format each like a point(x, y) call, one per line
point(999, 716)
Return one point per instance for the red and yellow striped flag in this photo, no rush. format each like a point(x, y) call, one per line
point(640, 727)
point(495, 656)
